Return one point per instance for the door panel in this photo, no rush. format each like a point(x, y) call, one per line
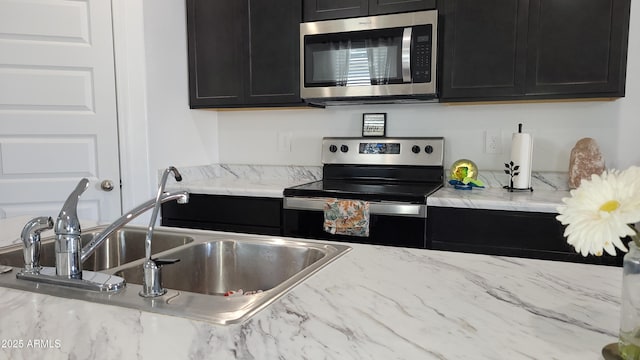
point(57, 107)
point(378, 7)
point(484, 48)
point(577, 47)
point(314, 10)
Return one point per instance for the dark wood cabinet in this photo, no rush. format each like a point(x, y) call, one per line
point(246, 214)
point(314, 10)
point(507, 233)
point(577, 47)
point(484, 48)
point(532, 49)
point(243, 53)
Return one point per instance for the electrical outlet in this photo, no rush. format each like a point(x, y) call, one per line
point(284, 141)
point(493, 141)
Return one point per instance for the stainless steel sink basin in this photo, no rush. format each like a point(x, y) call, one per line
point(123, 247)
point(216, 267)
point(211, 263)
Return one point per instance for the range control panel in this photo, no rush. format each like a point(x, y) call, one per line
point(424, 151)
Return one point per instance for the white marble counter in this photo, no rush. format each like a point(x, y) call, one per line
point(547, 194)
point(374, 303)
point(270, 181)
point(243, 180)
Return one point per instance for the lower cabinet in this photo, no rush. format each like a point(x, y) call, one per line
point(509, 233)
point(246, 214)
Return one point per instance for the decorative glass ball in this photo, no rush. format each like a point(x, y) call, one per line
point(462, 169)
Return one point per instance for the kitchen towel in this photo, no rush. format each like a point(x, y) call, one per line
point(521, 155)
point(346, 217)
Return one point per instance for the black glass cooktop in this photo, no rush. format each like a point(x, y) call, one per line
point(368, 190)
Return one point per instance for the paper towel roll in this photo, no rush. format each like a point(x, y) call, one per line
point(521, 155)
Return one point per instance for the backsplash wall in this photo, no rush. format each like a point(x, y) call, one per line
point(260, 137)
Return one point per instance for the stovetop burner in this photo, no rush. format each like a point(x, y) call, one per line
point(409, 192)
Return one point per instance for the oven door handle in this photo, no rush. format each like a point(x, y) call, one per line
point(375, 208)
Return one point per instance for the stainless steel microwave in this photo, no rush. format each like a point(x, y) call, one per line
point(385, 58)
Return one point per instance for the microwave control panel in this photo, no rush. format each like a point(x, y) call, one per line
point(421, 60)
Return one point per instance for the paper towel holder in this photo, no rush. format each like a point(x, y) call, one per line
point(513, 169)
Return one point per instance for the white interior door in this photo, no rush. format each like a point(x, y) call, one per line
point(58, 119)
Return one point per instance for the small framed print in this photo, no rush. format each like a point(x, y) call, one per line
point(374, 124)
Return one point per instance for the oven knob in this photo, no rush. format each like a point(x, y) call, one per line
point(428, 149)
point(333, 148)
point(344, 148)
point(415, 149)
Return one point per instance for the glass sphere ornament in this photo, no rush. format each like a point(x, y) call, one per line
point(464, 175)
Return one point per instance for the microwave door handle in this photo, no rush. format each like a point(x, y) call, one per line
point(406, 55)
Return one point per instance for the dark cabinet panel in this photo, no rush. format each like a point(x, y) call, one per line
point(577, 46)
point(533, 49)
point(243, 53)
point(255, 215)
point(507, 233)
point(484, 48)
point(377, 7)
point(211, 50)
point(274, 49)
point(314, 10)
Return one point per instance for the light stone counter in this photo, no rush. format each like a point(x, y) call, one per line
point(243, 180)
point(547, 194)
point(373, 303)
point(270, 181)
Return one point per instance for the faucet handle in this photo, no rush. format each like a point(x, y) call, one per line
point(67, 222)
point(161, 262)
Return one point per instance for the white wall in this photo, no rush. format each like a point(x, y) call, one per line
point(177, 134)
point(251, 137)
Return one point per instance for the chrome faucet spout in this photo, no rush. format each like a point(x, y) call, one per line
point(181, 196)
point(152, 280)
point(156, 207)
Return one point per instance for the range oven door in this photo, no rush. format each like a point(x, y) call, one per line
point(390, 223)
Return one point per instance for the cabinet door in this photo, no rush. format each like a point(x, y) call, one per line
point(274, 46)
point(484, 49)
point(377, 7)
point(578, 47)
point(216, 52)
point(314, 10)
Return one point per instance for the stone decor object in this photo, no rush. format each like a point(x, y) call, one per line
point(586, 159)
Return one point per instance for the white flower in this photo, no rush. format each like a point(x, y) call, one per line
point(599, 211)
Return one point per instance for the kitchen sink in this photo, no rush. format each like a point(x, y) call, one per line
point(211, 264)
point(124, 246)
point(216, 267)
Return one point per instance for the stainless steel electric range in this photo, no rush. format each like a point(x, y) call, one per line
point(393, 176)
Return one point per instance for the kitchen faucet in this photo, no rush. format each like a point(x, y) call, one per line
point(152, 279)
point(70, 255)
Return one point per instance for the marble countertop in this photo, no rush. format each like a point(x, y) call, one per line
point(270, 181)
point(243, 180)
point(375, 302)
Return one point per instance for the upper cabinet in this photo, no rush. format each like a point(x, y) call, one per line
point(315, 10)
point(533, 49)
point(243, 53)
